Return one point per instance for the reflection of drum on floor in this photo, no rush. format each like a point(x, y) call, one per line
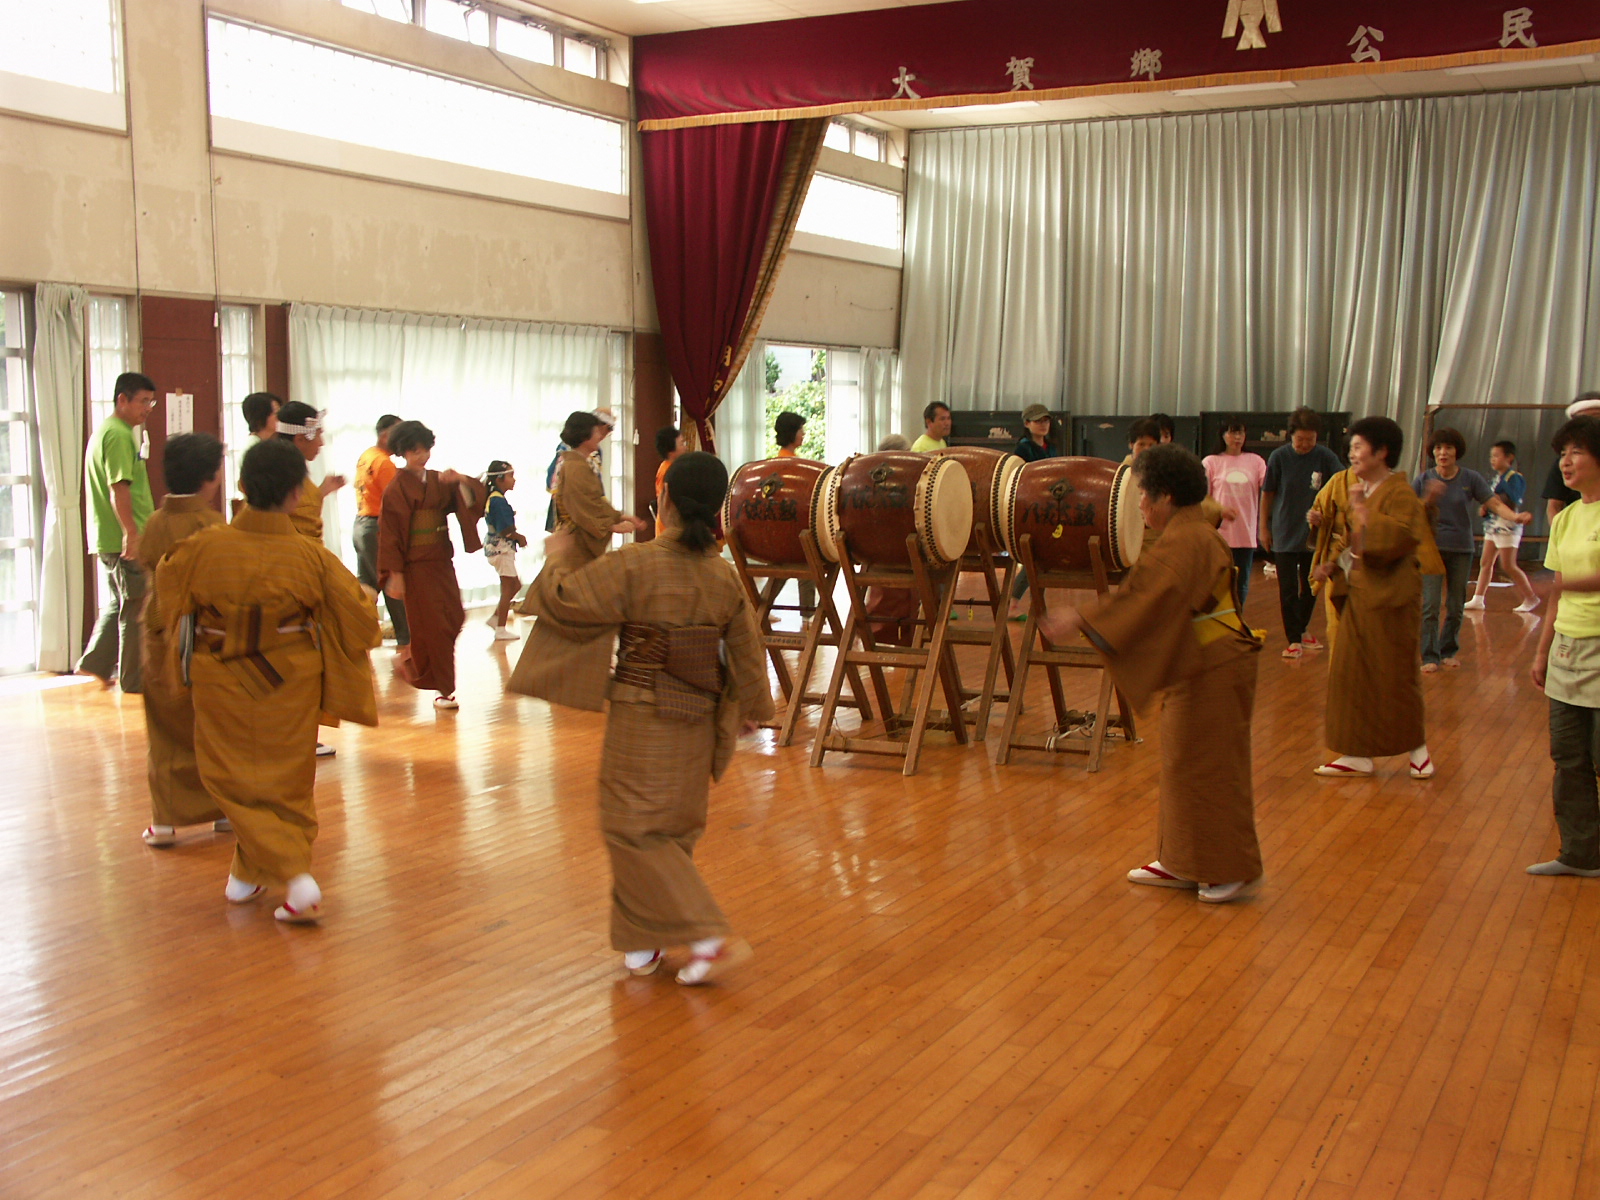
point(1063, 502)
point(769, 502)
point(873, 502)
point(990, 473)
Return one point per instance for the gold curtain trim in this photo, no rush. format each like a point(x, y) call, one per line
point(1331, 71)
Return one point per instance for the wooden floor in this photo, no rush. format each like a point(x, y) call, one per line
point(955, 994)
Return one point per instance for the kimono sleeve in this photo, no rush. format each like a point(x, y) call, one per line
point(1144, 631)
point(348, 625)
point(583, 500)
point(394, 531)
point(468, 501)
point(584, 601)
point(747, 664)
point(1396, 528)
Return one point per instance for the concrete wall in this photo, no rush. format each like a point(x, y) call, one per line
point(125, 212)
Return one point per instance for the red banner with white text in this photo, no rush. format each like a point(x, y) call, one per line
point(993, 51)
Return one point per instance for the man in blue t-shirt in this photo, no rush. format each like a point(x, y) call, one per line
point(1453, 495)
point(1295, 474)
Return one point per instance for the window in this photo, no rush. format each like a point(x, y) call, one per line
point(238, 381)
point(852, 212)
point(349, 98)
point(522, 40)
point(506, 31)
point(395, 10)
point(62, 59)
point(108, 354)
point(20, 507)
point(852, 139)
point(463, 22)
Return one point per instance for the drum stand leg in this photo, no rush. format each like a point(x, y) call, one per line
point(1053, 659)
point(820, 629)
point(935, 664)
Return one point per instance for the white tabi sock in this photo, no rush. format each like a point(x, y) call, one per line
point(706, 947)
point(304, 894)
point(1419, 755)
point(238, 889)
point(634, 959)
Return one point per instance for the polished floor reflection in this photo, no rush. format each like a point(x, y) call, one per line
point(955, 992)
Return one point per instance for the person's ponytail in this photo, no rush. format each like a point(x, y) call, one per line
point(697, 483)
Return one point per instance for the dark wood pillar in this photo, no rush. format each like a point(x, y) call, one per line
point(181, 351)
point(276, 347)
point(653, 403)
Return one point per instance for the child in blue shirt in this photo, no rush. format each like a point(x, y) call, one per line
point(500, 547)
point(1500, 536)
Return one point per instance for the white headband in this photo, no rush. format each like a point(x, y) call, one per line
point(311, 428)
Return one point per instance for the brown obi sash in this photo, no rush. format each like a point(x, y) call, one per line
point(682, 665)
point(252, 644)
point(428, 527)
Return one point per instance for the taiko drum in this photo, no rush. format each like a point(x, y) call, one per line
point(1063, 502)
point(769, 504)
point(989, 471)
point(876, 501)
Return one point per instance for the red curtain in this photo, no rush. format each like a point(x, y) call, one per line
point(710, 196)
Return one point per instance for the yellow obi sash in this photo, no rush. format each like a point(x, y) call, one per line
point(1221, 618)
point(250, 643)
point(428, 527)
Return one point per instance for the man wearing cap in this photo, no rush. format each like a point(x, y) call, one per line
point(119, 505)
point(608, 422)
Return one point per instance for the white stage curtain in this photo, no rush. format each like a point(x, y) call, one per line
point(487, 389)
point(58, 363)
point(741, 419)
point(1373, 257)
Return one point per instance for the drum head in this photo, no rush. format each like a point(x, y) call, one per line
point(944, 510)
point(1000, 492)
point(824, 518)
point(1125, 522)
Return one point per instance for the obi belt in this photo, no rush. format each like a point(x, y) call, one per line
point(682, 665)
point(250, 643)
point(428, 527)
point(1219, 616)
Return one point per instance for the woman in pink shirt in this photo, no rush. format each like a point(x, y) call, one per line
point(1235, 479)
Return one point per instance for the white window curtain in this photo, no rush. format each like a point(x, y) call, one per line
point(1370, 257)
point(58, 381)
point(487, 389)
point(863, 406)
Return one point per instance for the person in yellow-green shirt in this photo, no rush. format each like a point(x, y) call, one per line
point(118, 488)
point(936, 422)
point(1567, 664)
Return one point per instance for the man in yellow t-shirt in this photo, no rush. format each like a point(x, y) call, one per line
point(375, 470)
point(1567, 664)
point(936, 429)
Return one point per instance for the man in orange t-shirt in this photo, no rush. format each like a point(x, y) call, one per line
point(375, 470)
point(669, 445)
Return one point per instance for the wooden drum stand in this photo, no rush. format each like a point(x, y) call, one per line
point(902, 736)
point(819, 629)
point(1037, 651)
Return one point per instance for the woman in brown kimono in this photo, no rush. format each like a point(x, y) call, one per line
point(689, 679)
point(1174, 626)
point(1373, 576)
point(579, 496)
point(414, 554)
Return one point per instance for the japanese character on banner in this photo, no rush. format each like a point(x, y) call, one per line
point(903, 89)
point(1021, 72)
point(1146, 62)
point(1365, 51)
point(1250, 14)
point(1518, 27)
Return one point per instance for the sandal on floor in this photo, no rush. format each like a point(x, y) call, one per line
point(702, 969)
point(1338, 770)
point(159, 835)
point(1425, 771)
point(1293, 652)
point(290, 915)
point(256, 891)
point(648, 968)
point(1221, 893)
point(1156, 875)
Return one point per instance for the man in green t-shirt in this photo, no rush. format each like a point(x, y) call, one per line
point(936, 420)
point(119, 504)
